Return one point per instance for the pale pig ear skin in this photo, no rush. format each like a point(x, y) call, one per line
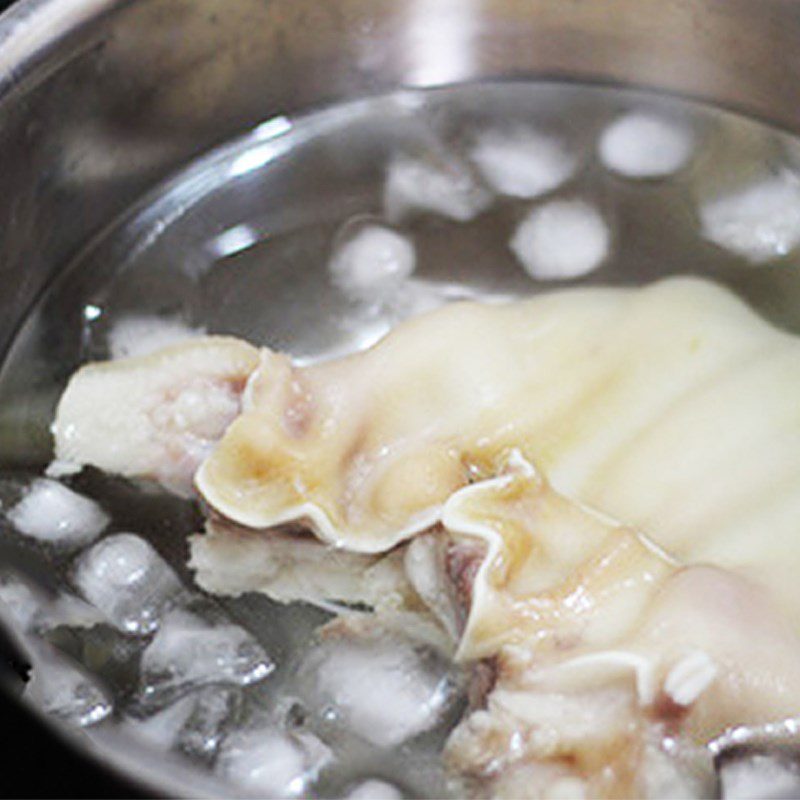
point(156, 415)
point(671, 407)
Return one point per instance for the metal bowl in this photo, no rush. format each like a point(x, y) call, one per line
point(147, 86)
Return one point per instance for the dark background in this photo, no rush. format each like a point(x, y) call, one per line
point(35, 762)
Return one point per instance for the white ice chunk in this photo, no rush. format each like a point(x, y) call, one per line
point(522, 162)
point(126, 579)
point(382, 690)
point(373, 789)
point(758, 777)
point(188, 651)
point(195, 724)
point(445, 187)
point(690, 677)
point(676, 768)
point(646, 145)
point(21, 604)
point(163, 729)
point(62, 469)
point(64, 690)
point(373, 263)
point(51, 512)
point(562, 239)
point(140, 335)
point(213, 713)
point(30, 609)
point(760, 222)
point(71, 611)
point(272, 763)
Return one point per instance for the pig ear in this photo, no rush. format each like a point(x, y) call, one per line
point(157, 415)
point(665, 407)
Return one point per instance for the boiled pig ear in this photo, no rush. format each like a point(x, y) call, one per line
point(153, 416)
point(671, 407)
point(387, 435)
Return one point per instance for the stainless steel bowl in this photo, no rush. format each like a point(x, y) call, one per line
point(150, 84)
point(146, 86)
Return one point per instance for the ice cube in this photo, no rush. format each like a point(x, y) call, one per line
point(189, 651)
point(22, 605)
point(59, 468)
point(522, 162)
point(214, 710)
point(561, 239)
point(760, 222)
point(163, 729)
point(70, 611)
point(384, 691)
point(63, 689)
point(126, 579)
point(272, 763)
point(372, 263)
point(30, 608)
point(51, 512)
point(141, 335)
point(195, 724)
point(444, 186)
point(759, 776)
point(677, 768)
point(373, 789)
point(644, 144)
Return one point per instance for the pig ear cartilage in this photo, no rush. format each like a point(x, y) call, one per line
point(614, 394)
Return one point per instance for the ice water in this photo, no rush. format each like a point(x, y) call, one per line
point(487, 190)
